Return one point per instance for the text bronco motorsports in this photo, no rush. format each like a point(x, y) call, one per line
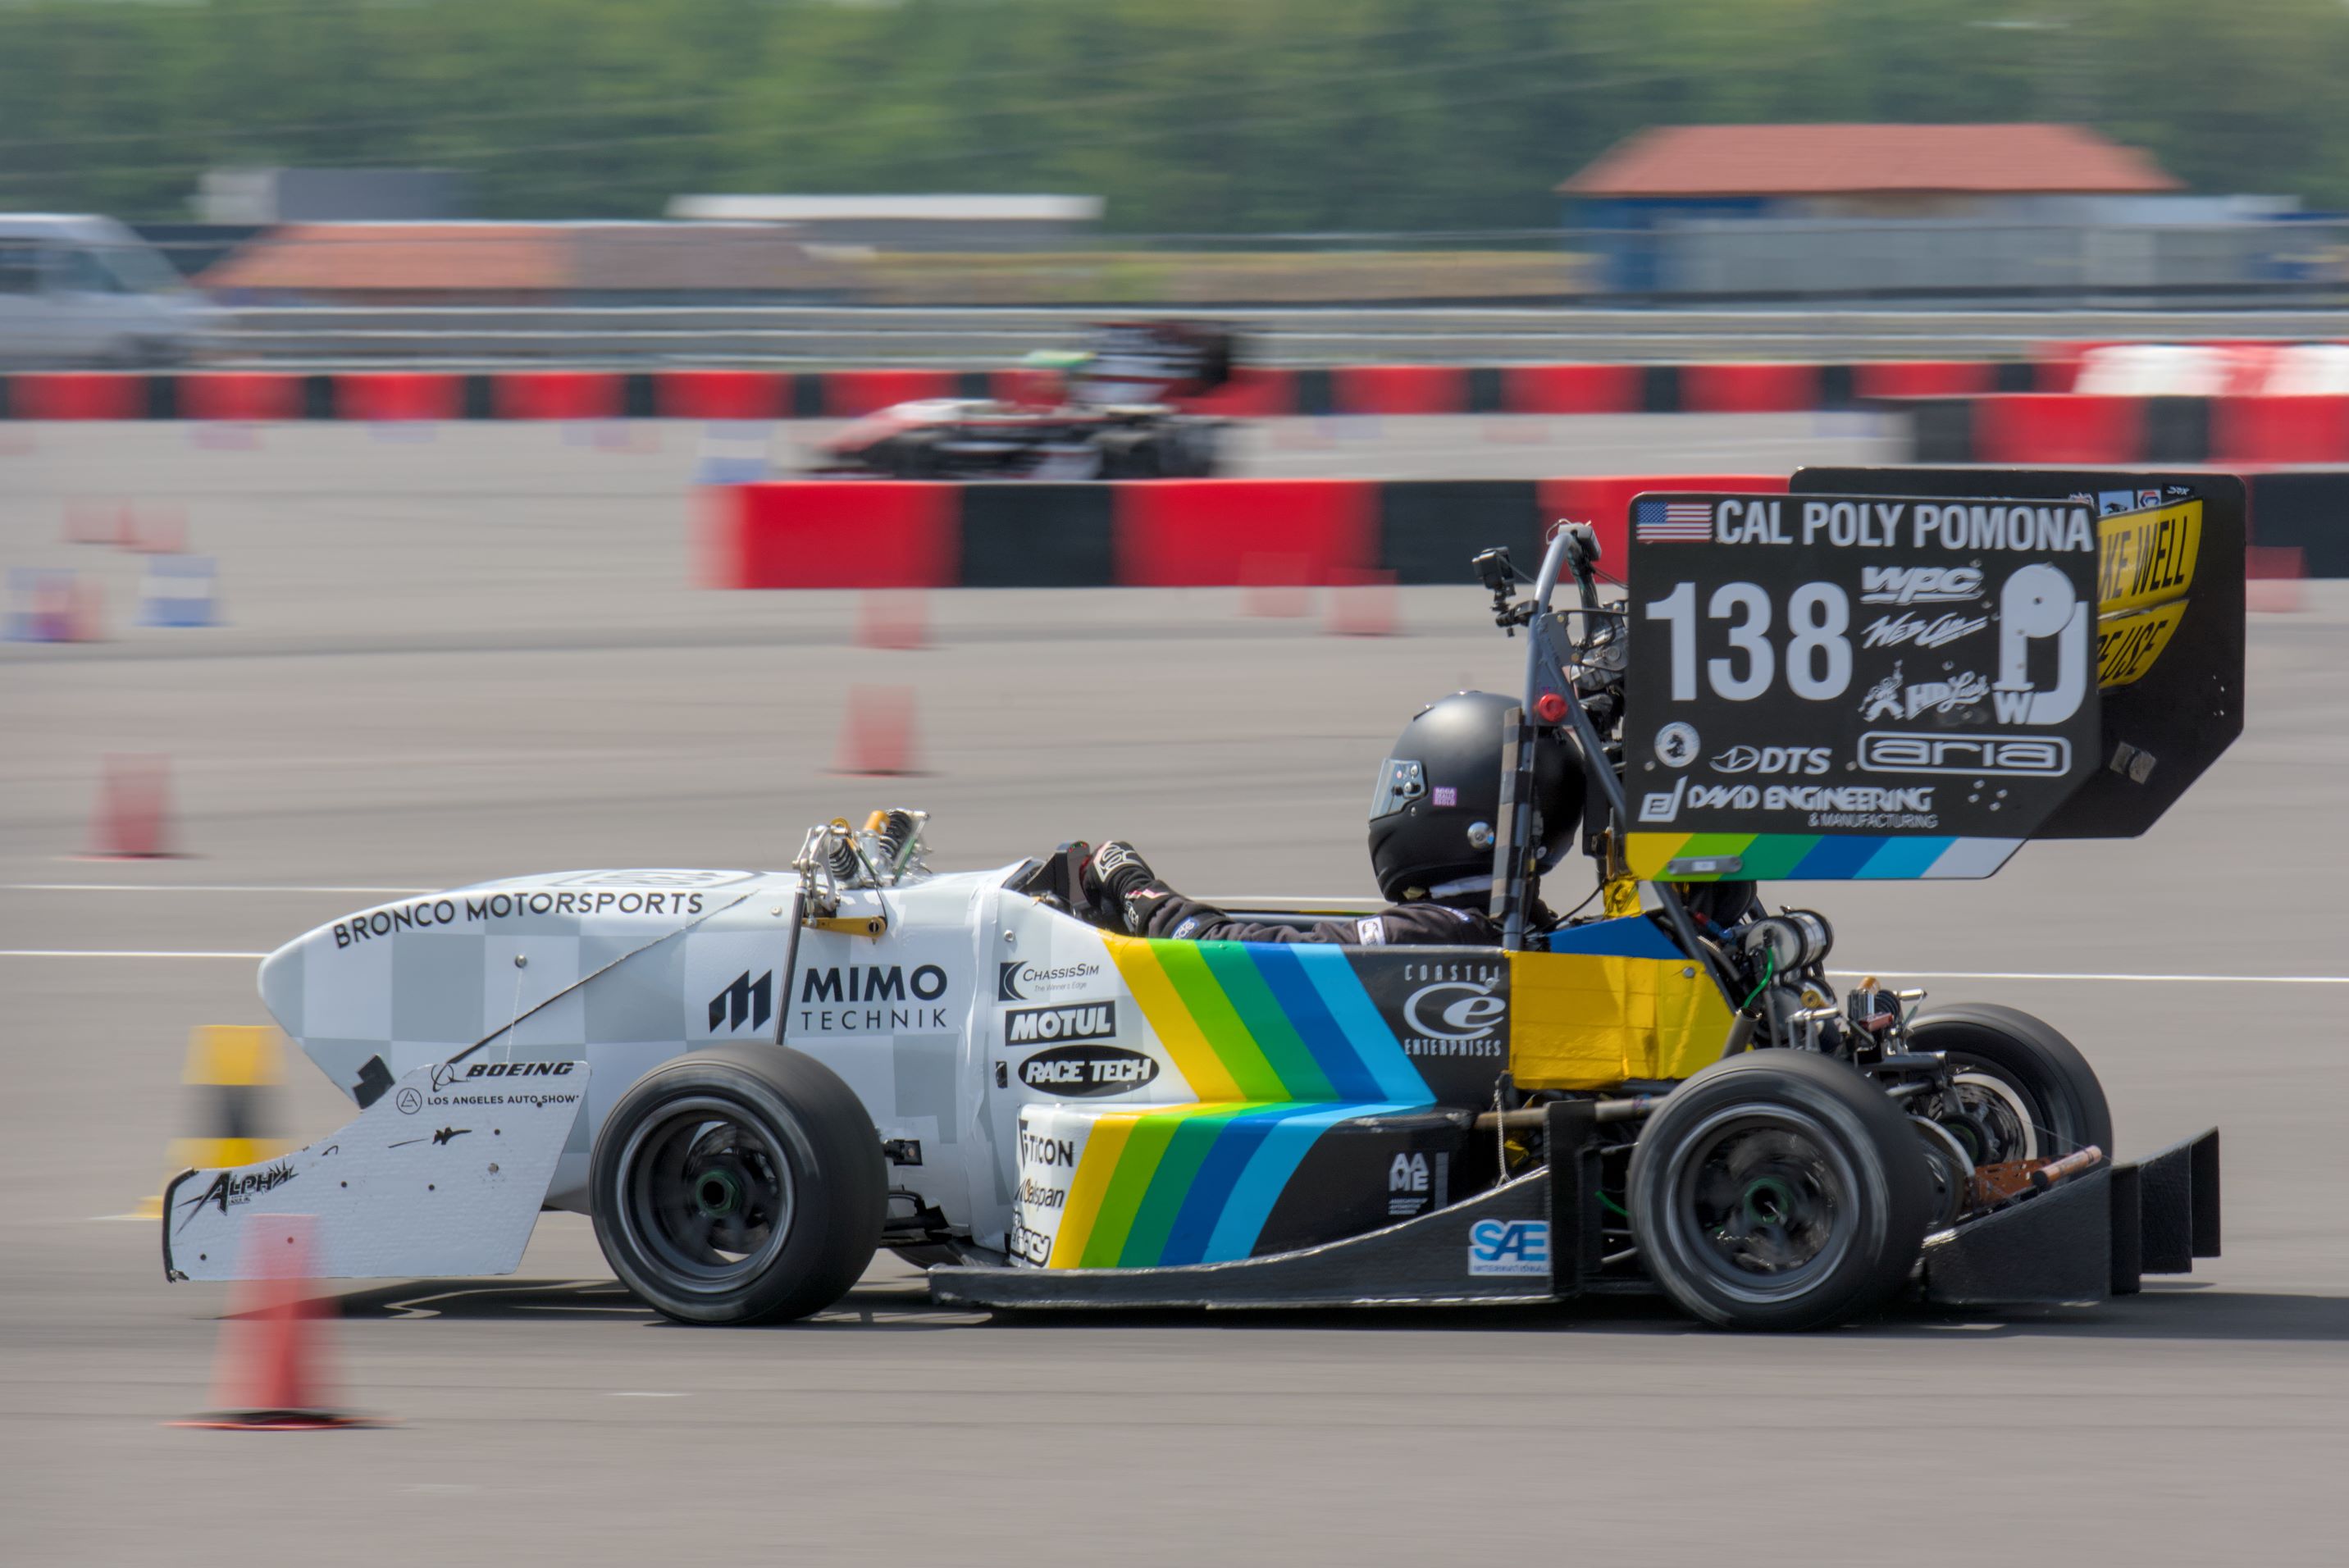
point(753, 1080)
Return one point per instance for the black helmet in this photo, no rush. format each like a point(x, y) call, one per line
point(1438, 803)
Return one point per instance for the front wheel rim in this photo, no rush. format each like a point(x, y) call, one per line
point(706, 1195)
point(1760, 1202)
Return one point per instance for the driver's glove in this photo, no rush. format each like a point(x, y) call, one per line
point(1133, 891)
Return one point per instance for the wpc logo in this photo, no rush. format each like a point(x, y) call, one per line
point(745, 1001)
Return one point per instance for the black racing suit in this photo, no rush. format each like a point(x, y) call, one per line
point(1126, 891)
point(1161, 912)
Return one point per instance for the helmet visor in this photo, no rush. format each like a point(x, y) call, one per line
point(1400, 781)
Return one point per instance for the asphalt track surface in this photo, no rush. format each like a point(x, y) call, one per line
point(480, 655)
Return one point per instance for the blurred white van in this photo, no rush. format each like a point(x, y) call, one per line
point(86, 291)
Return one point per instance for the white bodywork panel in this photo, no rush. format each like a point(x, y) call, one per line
point(628, 969)
point(441, 1176)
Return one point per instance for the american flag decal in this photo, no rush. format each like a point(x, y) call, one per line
point(1673, 521)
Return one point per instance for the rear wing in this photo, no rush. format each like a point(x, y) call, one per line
point(1899, 673)
point(2169, 625)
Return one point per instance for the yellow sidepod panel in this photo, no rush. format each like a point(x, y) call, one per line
point(1587, 1021)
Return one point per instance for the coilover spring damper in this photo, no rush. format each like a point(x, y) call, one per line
point(840, 858)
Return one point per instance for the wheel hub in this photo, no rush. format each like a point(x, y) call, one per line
point(718, 1193)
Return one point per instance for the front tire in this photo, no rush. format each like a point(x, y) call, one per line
point(1778, 1191)
point(740, 1184)
point(2026, 1092)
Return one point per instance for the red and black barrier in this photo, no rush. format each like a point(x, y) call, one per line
point(2078, 427)
point(1260, 533)
point(868, 533)
point(1254, 391)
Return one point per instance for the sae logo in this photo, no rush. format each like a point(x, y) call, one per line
point(1509, 1247)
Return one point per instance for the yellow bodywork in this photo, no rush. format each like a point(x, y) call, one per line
point(1587, 1021)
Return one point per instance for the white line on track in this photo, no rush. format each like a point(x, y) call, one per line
point(112, 953)
point(204, 887)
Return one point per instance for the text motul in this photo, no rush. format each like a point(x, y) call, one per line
point(1085, 1021)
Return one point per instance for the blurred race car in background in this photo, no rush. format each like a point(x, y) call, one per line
point(1114, 413)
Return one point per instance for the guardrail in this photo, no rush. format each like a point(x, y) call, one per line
point(813, 336)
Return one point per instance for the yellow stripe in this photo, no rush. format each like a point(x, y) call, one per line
point(2160, 545)
point(233, 1054)
point(1647, 854)
point(1171, 1021)
point(1099, 1163)
point(2127, 646)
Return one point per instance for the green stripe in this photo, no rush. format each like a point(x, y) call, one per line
point(1145, 1146)
point(1301, 1077)
point(1775, 855)
point(1713, 846)
point(1153, 1220)
point(1226, 1035)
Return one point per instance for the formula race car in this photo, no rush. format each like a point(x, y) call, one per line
point(1116, 415)
point(753, 1080)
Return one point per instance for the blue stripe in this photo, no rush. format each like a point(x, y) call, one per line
point(1194, 1222)
point(1901, 860)
point(1260, 1185)
point(1837, 857)
point(1356, 1014)
point(1630, 936)
point(1301, 1005)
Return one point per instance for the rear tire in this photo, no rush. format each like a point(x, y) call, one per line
point(739, 1184)
point(2030, 1094)
point(1779, 1191)
point(1131, 455)
point(914, 456)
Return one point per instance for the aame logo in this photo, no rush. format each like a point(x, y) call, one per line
point(1406, 1186)
point(747, 1001)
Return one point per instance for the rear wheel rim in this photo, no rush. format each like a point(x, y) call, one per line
point(1760, 1202)
point(2004, 1116)
point(706, 1195)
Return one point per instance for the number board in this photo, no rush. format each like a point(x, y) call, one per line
point(1854, 687)
point(2169, 643)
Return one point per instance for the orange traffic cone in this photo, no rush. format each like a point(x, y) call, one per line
point(271, 1374)
point(133, 803)
point(1362, 603)
point(893, 618)
point(1274, 585)
point(877, 740)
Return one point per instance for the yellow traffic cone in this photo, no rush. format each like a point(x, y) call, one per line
point(236, 1069)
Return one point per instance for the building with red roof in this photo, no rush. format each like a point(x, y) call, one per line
point(1882, 209)
point(1880, 168)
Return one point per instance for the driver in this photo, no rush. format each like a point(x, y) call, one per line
point(1433, 817)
